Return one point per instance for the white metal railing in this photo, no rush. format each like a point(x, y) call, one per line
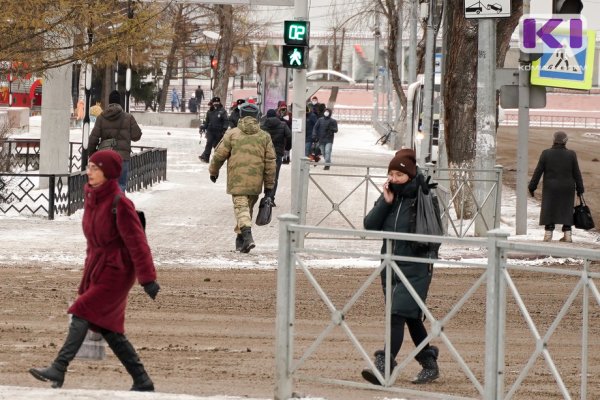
point(347, 188)
point(495, 275)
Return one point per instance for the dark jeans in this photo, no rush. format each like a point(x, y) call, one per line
point(278, 162)
point(212, 140)
point(416, 328)
point(124, 176)
point(565, 228)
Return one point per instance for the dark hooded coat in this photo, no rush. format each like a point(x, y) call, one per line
point(562, 178)
point(117, 253)
point(400, 216)
point(114, 123)
point(280, 134)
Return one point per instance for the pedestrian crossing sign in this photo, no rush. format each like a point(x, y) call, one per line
point(565, 67)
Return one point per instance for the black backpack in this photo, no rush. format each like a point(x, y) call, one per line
point(140, 214)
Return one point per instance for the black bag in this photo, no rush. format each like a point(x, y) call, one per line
point(265, 210)
point(140, 214)
point(582, 216)
point(428, 220)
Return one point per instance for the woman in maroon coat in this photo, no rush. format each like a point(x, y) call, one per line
point(117, 253)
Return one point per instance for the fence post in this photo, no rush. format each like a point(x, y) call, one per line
point(51, 184)
point(285, 309)
point(498, 212)
point(494, 321)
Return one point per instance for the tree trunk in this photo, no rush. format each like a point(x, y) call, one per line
point(224, 51)
point(460, 86)
point(337, 66)
point(171, 60)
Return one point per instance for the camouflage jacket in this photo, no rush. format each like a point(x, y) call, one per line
point(250, 158)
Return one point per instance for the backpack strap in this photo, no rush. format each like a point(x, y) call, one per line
point(114, 204)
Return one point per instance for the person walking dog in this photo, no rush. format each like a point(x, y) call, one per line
point(562, 178)
point(117, 254)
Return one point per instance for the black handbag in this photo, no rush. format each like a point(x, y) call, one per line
point(265, 209)
point(582, 216)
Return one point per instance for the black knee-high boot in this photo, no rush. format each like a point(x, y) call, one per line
point(130, 360)
point(56, 372)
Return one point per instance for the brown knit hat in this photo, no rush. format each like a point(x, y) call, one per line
point(109, 161)
point(405, 161)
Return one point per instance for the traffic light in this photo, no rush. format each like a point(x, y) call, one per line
point(296, 35)
point(295, 57)
point(214, 63)
point(567, 7)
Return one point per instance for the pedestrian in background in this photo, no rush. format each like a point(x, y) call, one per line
point(311, 121)
point(234, 116)
point(215, 124)
point(562, 178)
point(324, 133)
point(199, 95)
point(281, 136)
point(250, 158)
point(193, 105)
point(395, 211)
point(95, 112)
point(117, 126)
point(117, 253)
point(174, 100)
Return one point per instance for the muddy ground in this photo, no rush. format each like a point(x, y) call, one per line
point(212, 331)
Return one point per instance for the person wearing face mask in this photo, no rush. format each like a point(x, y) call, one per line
point(395, 211)
point(315, 106)
point(117, 254)
point(215, 124)
point(324, 132)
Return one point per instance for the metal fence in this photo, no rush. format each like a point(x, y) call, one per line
point(22, 193)
point(337, 194)
point(496, 278)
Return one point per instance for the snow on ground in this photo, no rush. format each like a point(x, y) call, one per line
point(190, 225)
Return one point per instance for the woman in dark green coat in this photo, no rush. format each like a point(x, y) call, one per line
point(395, 211)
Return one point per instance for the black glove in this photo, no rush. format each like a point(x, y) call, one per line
point(151, 289)
point(213, 178)
point(531, 193)
point(202, 129)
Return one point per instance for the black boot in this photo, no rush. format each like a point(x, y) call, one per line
point(379, 362)
point(248, 241)
point(239, 242)
point(56, 372)
point(428, 360)
point(130, 360)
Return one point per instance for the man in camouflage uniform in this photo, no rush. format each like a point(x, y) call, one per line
point(250, 166)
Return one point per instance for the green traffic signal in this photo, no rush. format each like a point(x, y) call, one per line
point(295, 57)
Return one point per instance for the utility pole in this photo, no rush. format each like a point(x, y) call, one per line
point(412, 68)
point(523, 138)
point(299, 117)
point(424, 152)
point(485, 147)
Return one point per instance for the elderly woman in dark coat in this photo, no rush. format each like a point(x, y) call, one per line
point(117, 253)
point(562, 178)
point(395, 211)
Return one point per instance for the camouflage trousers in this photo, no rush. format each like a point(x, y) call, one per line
point(243, 206)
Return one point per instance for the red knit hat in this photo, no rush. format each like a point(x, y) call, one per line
point(109, 161)
point(405, 161)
